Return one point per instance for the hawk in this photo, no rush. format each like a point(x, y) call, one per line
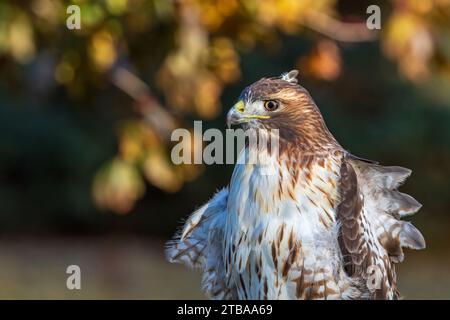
point(325, 225)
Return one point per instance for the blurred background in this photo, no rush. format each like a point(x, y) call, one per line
point(86, 116)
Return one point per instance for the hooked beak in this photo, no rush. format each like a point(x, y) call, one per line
point(234, 116)
point(237, 115)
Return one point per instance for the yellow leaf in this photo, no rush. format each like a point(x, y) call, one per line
point(117, 186)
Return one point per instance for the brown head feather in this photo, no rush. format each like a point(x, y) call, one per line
point(298, 119)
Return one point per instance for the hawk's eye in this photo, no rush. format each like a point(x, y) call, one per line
point(271, 105)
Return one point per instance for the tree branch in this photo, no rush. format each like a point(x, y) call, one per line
point(338, 30)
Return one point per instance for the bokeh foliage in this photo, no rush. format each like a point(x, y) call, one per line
point(89, 112)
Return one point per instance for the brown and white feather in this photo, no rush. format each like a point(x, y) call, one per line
point(314, 229)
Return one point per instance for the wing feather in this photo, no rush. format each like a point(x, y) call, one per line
point(199, 244)
point(372, 233)
point(349, 213)
point(387, 205)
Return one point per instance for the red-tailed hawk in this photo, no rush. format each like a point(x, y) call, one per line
point(325, 225)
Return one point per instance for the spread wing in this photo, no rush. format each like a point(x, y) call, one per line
point(199, 244)
point(372, 234)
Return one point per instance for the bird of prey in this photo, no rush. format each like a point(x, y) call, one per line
point(325, 225)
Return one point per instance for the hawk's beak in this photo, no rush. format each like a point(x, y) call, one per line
point(235, 115)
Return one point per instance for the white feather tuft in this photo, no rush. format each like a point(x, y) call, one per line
point(290, 76)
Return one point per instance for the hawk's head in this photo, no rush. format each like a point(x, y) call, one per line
point(281, 103)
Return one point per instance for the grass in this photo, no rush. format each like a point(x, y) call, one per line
point(135, 268)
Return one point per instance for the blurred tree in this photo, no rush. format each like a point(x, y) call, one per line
point(191, 49)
